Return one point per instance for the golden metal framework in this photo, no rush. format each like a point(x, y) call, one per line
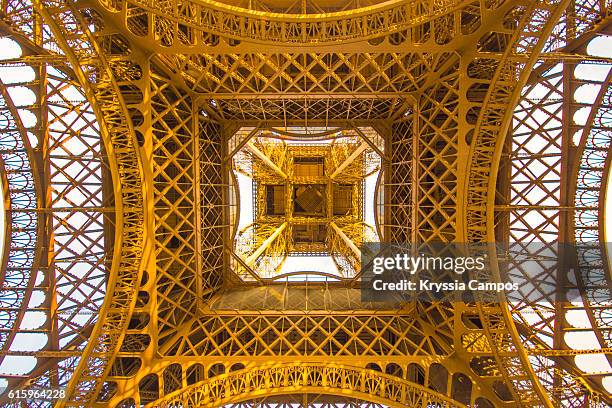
point(307, 218)
point(308, 378)
point(124, 209)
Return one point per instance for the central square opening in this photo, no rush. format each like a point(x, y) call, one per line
point(304, 201)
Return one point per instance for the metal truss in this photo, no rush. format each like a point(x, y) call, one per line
point(128, 199)
point(193, 22)
point(21, 200)
point(380, 333)
point(309, 378)
point(535, 211)
point(261, 248)
point(306, 400)
point(80, 213)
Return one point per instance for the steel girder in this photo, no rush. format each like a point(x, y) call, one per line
point(163, 130)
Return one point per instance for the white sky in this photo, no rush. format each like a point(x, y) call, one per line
point(311, 264)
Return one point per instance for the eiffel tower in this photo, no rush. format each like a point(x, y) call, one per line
point(189, 186)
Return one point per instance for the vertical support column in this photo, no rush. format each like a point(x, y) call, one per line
point(195, 117)
point(566, 202)
point(226, 134)
point(226, 168)
point(414, 176)
point(386, 134)
point(42, 159)
point(568, 152)
point(130, 385)
point(463, 149)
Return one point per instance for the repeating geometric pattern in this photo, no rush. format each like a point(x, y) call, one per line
point(367, 384)
point(68, 283)
point(142, 107)
point(187, 264)
point(194, 23)
point(98, 79)
point(19, 180)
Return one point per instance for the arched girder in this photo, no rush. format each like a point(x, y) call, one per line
point(595, 277)
point(298, 378)
point(56, 204)
point(207, 21)
point(492, 125)
point(22, 258)
point(124, 164)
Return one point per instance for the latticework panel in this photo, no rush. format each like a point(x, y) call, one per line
point(281, 334)
point(187, 173)
point(295, 110)
point(66, 290)
point(78, 210)
point(550, 309)
point(173, 150)
point(124, 167)
point(400, 183)
point(141, 109)
point(305, 400)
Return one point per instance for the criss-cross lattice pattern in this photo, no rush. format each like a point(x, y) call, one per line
point(123, 205)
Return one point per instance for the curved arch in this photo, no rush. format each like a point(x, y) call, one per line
point(21, 255)
point(323, 135)
point(94, 73)
point(235, 196)
point(485, 154)
point(5, 220)
point(591, 175)
point(301, 378)
point(361, 11)
point(208, 16)
point(592, 143)
point(286, 275)
point(379, 208)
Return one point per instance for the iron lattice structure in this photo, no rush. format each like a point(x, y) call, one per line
point(121, 211)
point(308, 199)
